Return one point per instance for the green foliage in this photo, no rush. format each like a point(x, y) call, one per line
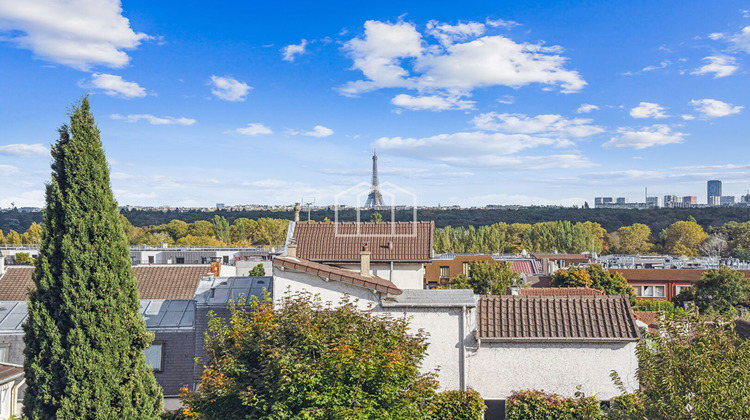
point(306, 360)
point(626, 407)
point(376, 217)
point(460, 282)
point(457, 405)
point(258, 271)
point(32, 234)
point(84, 335)
point(595, 277)
point(487, 278)
point(538, 405)
point(178, 414)
point(562, 236)
point(24, 258)
point(634, 239)
point(719, 291)
point(669, 308)
point(13, 238)
point(695, 370)
point(221, 229)
point(684, 238)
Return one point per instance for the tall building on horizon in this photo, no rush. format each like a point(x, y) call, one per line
point(374, 198)
point(713, 190)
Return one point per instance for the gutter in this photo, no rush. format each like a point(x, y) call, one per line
point(555, 340)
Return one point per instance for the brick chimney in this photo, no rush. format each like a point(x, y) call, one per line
point(364, 260)
point(216, 266)
point(291, 249)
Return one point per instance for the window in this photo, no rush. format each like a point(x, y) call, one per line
point(151, 259)
point(226, 259)
point(649, 291)
point(678, 289)
point(444, 272)
point(466, 269)
point(4, 352)
point(180, 260)
point(153, 356)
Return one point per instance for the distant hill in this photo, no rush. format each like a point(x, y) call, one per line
point(610, 219)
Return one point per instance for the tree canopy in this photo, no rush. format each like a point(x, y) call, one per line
point(305, 360)
point(84, 334)
point(719, 291)
point(486, 278)
point(684, 238)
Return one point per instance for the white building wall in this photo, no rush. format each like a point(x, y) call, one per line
point(446, 328)
point(289, 281)
point(405, 275)
point(498, 369)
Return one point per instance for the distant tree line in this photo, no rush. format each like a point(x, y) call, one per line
point(683, 237)
point(216, 233)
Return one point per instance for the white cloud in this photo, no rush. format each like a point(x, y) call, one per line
point(9, 170)
point(253, 129)
point(586, 108)
point(741, 40)
point(229, 88)
point(78, 34)
point(714, 108)
point(290, 52)
point(431, 102)
point(24, 150)
point(507, 99)
point(131, 118)
point(687, 117)
point(543, 125)
point(716, 36)
point(500, 23)
point(319, 131)
point(648, 110)
point(656, 135)
point(395, 55)
point(521, 163)
point(719, 65)
point(115, 86)
point(465, 144)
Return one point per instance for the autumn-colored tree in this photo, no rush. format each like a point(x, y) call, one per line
point(177, 229)
point(599, 235)
point(32, 234)
point(694, 370)
point(306, 360)
point(571, 277)
point(200, 228)
point(684, 238)
point(13, 238)
point(205, 240)
point(634, 239)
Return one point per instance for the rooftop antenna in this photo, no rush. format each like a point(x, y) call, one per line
point(308, 208)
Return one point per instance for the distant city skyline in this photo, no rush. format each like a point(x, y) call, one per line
point(492, 103)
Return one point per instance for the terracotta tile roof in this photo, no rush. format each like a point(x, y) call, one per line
point(650, 318)
point(556, 318)
point(154, 282)
point(174, 281)
point(560, 291)
point(15, 283)
point(522, 266)
point(338, 274)
point(644, 274)
point(410, 241)
point(9, 371)
point(570, 258)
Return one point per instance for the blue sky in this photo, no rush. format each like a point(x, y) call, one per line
point(471, 104)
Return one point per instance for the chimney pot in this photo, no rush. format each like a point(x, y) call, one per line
point(291, 249)
point(364, 261)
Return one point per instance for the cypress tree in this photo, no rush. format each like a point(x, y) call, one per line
point(84, 334)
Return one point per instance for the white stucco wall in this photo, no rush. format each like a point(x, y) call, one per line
point(405, 275)
point(498, 369)
point(445, 334)
point(287, 280)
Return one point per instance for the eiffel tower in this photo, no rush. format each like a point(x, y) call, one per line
point(374, 199)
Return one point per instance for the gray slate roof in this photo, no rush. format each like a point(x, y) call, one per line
point(174, 313)
point(431, 299)
point(218, 291)
point(12, 315)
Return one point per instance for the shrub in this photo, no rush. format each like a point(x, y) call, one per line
point(539, 405)
point(457, 405)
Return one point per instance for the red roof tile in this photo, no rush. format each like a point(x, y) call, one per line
point(342, 241)
point(154, 282)
point(556, 318)
point(650, 318)
point(560, 291)
point(338, 274)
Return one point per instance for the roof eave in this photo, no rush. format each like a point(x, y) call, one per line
point(557, 340)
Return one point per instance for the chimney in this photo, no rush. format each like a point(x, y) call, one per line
point(296, 212)
point(2, 264)
point(364, 260)
point(291, 249)
point(216, 266)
